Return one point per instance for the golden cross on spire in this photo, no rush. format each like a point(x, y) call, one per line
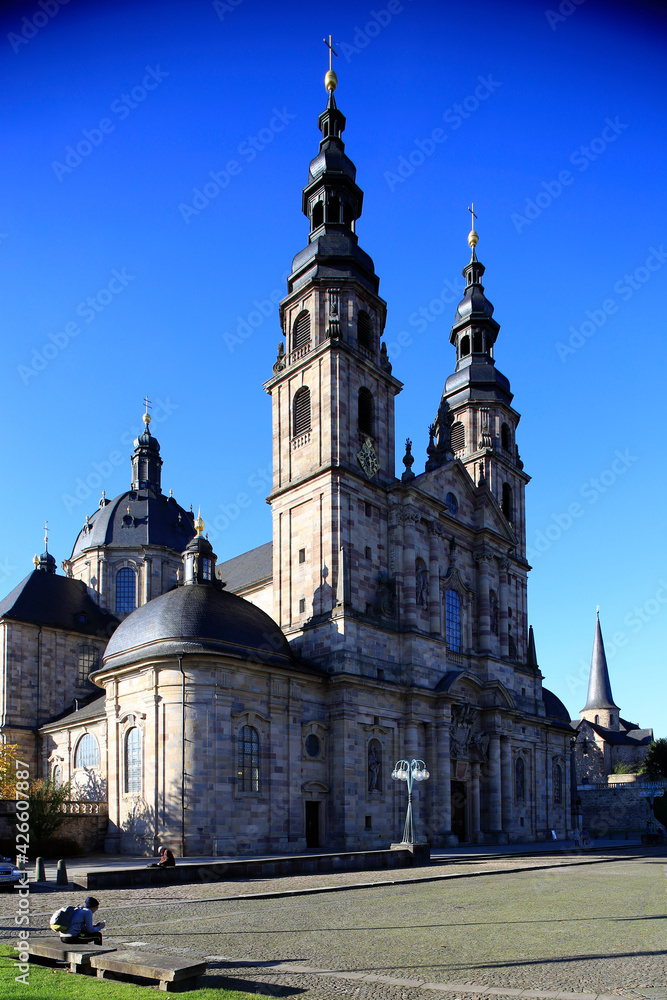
point(149, 406)
point(330, 80)
point(473, 238)
point(46, 535)
point(473, 214)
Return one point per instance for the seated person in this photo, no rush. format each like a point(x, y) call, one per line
point(81, 929)
point(167, 859)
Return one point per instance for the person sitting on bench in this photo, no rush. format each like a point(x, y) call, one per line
point(167, 859)
point(81, 929)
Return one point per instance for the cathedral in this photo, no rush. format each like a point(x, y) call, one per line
point(259, 705)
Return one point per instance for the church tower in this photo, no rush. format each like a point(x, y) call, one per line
point(476, 422)
point(333, 408)
point(600, 707)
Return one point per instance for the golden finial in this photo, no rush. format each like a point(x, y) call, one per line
point(46, 535)
point(35, 561)
point(199, 524)
point(147, 416)
point(330, 80)
point(473, 238)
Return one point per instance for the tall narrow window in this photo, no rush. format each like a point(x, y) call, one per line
point(301, 330)
point(507, 501)
point(89, 660)
point(57, 776)
point(520, 780)
point(364, 330)
point(87, 753)
point(453, 620)
point(133, 761)
point(477, 343)
point(458, 436)
point(301, 415)
point(126, 590)
point(505, 437)
point(558, 784)
point(334, 210)
point(318, 214)
point(465, 346)
point(247, 760)
point(348, 217)
point(365, 411)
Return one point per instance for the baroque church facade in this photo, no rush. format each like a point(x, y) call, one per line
point(259, 705)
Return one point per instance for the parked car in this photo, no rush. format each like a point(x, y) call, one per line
point(9, 873)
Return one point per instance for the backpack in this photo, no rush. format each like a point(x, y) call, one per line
point(61, 919)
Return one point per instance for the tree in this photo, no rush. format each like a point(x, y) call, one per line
point(45, 800)
point(655, 762)
point(9, 754)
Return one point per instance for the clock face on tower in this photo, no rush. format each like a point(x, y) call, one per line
point(367, 459)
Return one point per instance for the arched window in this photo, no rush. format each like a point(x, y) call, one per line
point(452, 503)
point(89, 660)
point(318, 214)
point(505, 437)
point(507, 501)
point(597, 720)
point(493, 611)
point(247, 760)
point(301, 414)
point(57, 776)
point(374, 766)
point(465, 346)
point(458, 436)
point(520, 780)
point(334, 210)
point(301, 330)
point(87, 753)
point(421, 580)
point(133, 761)
point(126, 590)
point(364, 330)
point(365, 411)
point(453, 620)
point(558, 784)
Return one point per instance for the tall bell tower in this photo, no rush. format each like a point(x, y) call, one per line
point(332, 397)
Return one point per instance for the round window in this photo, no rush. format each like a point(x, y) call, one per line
point(312, 745)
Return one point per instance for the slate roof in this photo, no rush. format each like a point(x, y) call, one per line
point(634, 737)
point(247, 569)
point(198, 618)
point(73, 716)
point(553, 706)
point(57, 602)
point(599, 686)
point(153, 520)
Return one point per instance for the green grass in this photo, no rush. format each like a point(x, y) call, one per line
point(46, 983)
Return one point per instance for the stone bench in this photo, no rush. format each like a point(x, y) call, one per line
point(173, 974)
point(77, 956)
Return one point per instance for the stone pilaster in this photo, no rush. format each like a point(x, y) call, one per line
point(494, 799)
point(506, 783)
point(410, 517)
point(502, 611)
point(475, 832)
point(483, 618)
point(434, 603)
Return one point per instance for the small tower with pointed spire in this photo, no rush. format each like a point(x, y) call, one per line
point(600, 707)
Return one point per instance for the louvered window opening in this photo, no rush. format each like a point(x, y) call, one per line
point(365, 413)
point(133, 762)
point(301, 330)
point(247, 760)
point(458, 436)
point(364, 330)
point(301, 411)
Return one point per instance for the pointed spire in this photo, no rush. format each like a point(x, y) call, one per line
point(599, 686)
point(532, 653)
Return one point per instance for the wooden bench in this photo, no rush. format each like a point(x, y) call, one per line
point(77, 956)
point(173, 974)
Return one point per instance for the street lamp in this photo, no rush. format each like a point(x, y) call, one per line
point(414, 770)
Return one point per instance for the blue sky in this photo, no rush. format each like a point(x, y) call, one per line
point(118, 279)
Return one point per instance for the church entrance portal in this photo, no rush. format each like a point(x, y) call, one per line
point(312, 824)
point(459, 802)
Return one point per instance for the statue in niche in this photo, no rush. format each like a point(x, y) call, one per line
point(374, 764)
point(421, 581)
point(385, 596)
point(493, 611)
